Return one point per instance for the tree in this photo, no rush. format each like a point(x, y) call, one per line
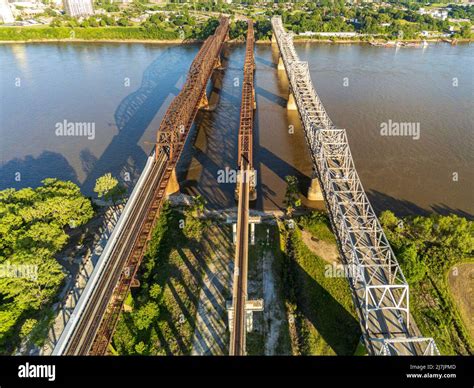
point(291, 199)
point(123, 22)
point(32, 232)
point(414, 266)
point(198, 205)
point(108, 187)
point(144, 316)
point(155, 291)
point(465, 31)
point(140, 348)
point(27, 327)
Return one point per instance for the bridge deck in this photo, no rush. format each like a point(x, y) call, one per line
point(380, 291)
point(239, 294)
point(92, 328)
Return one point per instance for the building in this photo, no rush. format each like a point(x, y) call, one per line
point(78, 7)
point(439, 14)
point(435, 13)
point(6, 14)
point(349, 34)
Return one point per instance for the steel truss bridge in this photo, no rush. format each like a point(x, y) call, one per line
point(91, 326)
point(380, 291)
point(245, 161)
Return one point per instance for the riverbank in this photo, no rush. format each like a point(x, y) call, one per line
point(195, 41)
point(44, 34)
point(143, 41)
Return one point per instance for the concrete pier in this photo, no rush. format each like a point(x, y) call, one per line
point(173, 185)
point(291, 104)
point(281, 65)
point(314, 192)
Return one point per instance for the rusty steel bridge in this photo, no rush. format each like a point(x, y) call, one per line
point(245, 184)
point(91, 326)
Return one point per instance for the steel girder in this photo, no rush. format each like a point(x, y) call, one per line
point(378, 283)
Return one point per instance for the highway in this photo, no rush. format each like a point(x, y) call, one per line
point(379, 288)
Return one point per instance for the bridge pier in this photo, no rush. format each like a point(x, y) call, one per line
point(273, 39)
point(173, 185)
point(291, 104)
point(251, 175)
point(218, 64)
point(251, 306)
point(281, 65)
point(204, 103)
point(315, 193)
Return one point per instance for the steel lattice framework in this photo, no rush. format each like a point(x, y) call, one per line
point(380, 290)
point(180, 115)
point(96, 324)
point(248, 102)
point(171, 137)
point(239, 292)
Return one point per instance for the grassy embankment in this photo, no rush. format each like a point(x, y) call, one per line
point(315, 312)
point(92, 33)
point(429, 249)
point(136, 33)
point(160, 316)
point(267, 247)
point(322, 317)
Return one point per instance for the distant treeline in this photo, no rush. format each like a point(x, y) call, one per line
point(89, 33)
point(238, 30)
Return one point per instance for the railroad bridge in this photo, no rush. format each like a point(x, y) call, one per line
point(380, 291)
point(91, 325)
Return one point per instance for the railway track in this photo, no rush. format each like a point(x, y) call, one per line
point(92, 328)
point(239, 292)
point(90, 321)
point(239, 295)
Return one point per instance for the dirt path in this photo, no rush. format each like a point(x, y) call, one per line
point(325, 250)
point(461, 285)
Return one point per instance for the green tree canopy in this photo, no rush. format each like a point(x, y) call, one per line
point(109, 187)
point(33, 225)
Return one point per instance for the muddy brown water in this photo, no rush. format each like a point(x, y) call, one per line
point(124, 90)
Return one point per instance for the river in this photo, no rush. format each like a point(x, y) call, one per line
point(124, 89)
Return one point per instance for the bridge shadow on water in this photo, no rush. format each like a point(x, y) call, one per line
point(401, 207)
point(126, 152)
point(212, 144)
point(34, 169)
point(133, 117)
point(266, 62)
